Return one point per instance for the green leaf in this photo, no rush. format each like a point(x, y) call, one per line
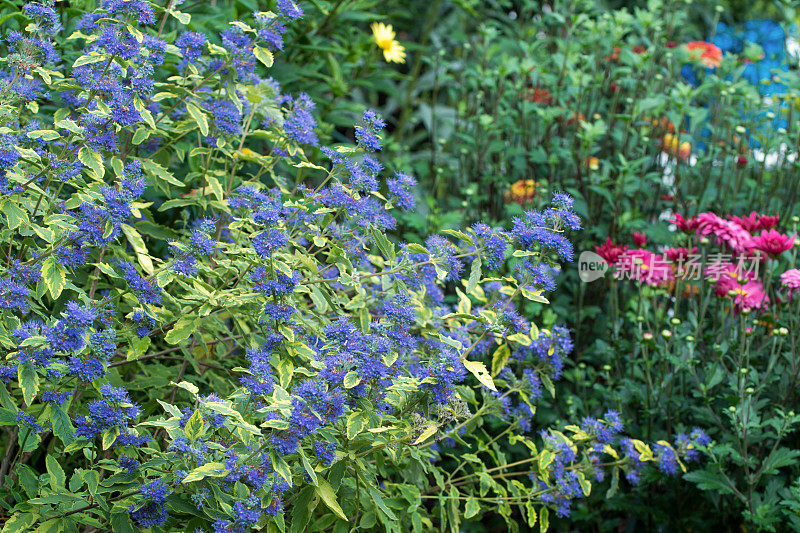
point(54, 276)
point(92, 479)
point(474, 275)
point(109, 436)
point(198, 117)
point(500, 358)
point(472, 508)
point(47, 135)
point(19, 523)
point(183, 18)
point(140, 135)
point(544, 519)
point(137, 243)
point(15, 215)
point(706, 480)
point(356, 422)
point(57, 477)
point(122, 523)
point(157, 171)
point(263, 55)
point(312, 474)
point(301, 514)
point(93, 160)
point(378, 499)
point(62, 425)
point(351, 379)
point(194, 426)
point(28, 381)
point(520, 338)
point(88, 59)
point(535, 296)
point(207, 470)
point(386, 247)
point(478, 370)
point(182, 329)
point(425, 435)
point(326, 493)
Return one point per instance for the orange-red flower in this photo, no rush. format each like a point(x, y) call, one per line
point(710, 55)
point(539, 96)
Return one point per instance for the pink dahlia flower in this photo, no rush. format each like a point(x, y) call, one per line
point(725, 231)
point(791, 280)
point(772, 243)
point(750, 295)
point(727, 277)
point(680, 255)
point(686, 226)
point(610, 251)
point(644, 266)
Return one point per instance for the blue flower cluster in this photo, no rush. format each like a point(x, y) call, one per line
point(771, 38)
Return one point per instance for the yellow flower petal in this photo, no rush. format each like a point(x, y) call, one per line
point(384, 35)
point(395, 54)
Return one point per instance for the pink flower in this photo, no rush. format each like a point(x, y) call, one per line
point(679, 255)
point(768, 221)
point(772, 242)
point(754, 222)
point(644, 266)
point(727, 277)
point(749, 296)
point(639, 239)
point(610, 251)
point(749, 222)
point(791, 280)
point(686, 226)
point(726, 232)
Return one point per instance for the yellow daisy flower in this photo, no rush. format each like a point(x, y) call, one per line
point(393, 51)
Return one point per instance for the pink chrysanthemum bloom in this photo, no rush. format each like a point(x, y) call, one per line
point(610, 251)
point(749, 296)
point(768, 221)
point(727, 276)
point(791, 280)
point(679, 255)
point(644, 266)
point(686, 226)
point(725, 231)
point(772, 243)
point(749, 222)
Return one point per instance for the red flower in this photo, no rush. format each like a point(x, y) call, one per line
point(710, 55)
point(768, 221)
point(679, 255)
point(539, 96)
point(639, 239)
point(639, 49)
point(686, 226)
point(754, 222)
point(741, 161)
point(667, 198)
point(671, 44)
point(750, 222)
point(610, 251)
point(772, 242)
point(614, 87)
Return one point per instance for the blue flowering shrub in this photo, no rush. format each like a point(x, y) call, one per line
point(205, 326)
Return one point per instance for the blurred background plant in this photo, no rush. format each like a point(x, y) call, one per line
point(639, 110)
